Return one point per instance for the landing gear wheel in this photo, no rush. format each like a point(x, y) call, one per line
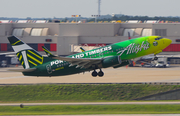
point(94, 73)
point(100, 73)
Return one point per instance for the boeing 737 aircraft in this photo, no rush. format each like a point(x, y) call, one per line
point(114, 55)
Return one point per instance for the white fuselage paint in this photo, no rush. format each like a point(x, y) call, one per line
point(92, 52)
point(56, 62)
point(18, 48)
point(25, 59)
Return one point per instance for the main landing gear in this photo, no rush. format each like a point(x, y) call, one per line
point(100, 73)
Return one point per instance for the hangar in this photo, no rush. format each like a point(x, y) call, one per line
point(65, 38)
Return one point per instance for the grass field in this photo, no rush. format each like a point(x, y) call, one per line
point(90, 109)
point(79, 92)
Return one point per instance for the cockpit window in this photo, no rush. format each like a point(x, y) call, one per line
point(158, 38)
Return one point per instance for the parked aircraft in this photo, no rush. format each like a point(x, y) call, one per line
point(114, 55)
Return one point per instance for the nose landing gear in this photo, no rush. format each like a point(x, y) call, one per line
point(100, 73)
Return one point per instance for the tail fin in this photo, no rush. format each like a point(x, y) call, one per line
point(27, 56)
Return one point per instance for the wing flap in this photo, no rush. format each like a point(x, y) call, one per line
point(80, 62)
point(69, 59)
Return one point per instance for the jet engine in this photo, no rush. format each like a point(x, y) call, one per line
point(111, 61)
point(124, 63)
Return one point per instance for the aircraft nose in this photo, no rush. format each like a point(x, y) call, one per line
point(167, 42)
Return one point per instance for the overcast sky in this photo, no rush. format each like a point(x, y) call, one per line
point(86, 8)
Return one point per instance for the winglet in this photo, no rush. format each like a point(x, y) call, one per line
point(48, 53)
point(83, 50)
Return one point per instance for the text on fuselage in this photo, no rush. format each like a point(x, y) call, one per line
point(92, 52)
point(134, 48)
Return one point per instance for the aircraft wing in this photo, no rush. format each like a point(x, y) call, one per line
point(80, 62)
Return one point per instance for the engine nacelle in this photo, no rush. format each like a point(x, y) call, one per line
point(124, 63)
point(111, 61)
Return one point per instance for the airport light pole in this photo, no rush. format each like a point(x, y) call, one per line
point(76, 16)
point(95, 17)
point(112, 16)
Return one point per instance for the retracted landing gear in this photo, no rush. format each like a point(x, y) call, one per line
point(100, 73)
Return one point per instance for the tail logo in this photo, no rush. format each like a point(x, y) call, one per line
point(29, 58)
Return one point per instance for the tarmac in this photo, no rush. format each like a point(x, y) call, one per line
point(110, 115)
point(94, 103)
point(119, 75)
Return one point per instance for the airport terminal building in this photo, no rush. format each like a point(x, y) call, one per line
point(66, 38)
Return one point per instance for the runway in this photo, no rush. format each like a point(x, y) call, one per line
point(91, 103)
point(113, 115)
point(119, 75)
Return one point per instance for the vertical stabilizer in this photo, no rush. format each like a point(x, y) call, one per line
point(28, 57)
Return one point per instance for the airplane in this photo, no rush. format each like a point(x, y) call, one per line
point(114, 55)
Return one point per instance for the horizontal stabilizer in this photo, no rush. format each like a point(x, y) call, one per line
point(7, 53)
point(23, 70)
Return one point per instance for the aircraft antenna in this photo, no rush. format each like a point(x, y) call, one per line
point(99, 7)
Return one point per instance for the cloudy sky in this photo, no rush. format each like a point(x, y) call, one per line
point(86, 8)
